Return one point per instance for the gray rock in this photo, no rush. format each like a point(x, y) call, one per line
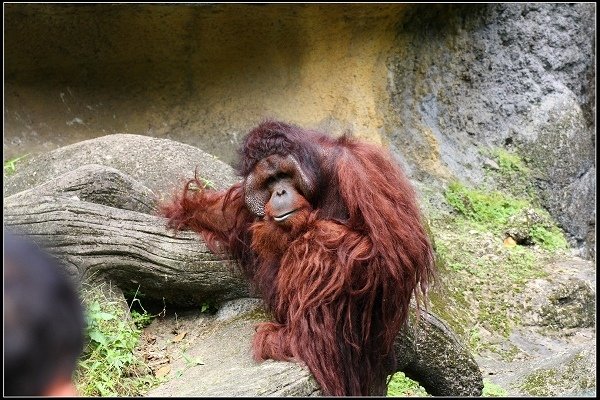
point(562, 154)
point(501, 75)
point(544, 365)
point(222, 347)
point(519, 225)
point(571, 305)
point(558, 375)
point(563, 303)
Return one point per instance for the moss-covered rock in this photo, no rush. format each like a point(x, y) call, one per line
point(563, 374)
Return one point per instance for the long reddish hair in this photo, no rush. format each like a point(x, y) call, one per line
point(340, 280)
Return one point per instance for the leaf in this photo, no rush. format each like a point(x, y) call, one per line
point(94, 307)
point(97, 336)
point(163, 371)
point(509, 242)
point(179, 337)
point(189, 360)
point(104, 316)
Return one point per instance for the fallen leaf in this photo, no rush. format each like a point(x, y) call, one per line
point(179, 337)
point(163, 371)
point(509, 242)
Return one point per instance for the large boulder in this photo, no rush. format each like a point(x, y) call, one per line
point(161, 165)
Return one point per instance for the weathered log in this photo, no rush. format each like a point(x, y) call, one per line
point(96, 240)
point(431, 339)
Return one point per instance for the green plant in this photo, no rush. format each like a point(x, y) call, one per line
point(191, 362)
point(490, 208)
point(509, 162)
point(109, 365)
point(490, 389)
point(206, 184)
point(550, 239)
point(141, 320)
point(208, 307)
point(402, 386)
point(10, 165)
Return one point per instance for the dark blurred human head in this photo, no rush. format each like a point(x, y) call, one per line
point(43, 322)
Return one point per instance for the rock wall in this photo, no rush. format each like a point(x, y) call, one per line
point(201, 74)
point(521, 76)
point(437, 83)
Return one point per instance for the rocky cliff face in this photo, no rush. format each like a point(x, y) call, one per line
point(517, 76)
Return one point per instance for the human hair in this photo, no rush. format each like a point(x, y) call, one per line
point(43, 319)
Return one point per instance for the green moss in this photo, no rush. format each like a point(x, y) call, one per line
point(537, 383)
point(513, 176)
point(402, 386)
point(475, 342)
point(481, 274)
point(549, 238)
point(444, 303)
point(488, 208)
point(481, 271)
point(524, 264)
point(490, 389)
point(544, 382)
point(509, 162)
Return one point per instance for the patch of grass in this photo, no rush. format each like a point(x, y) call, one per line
point(109, 365)
point(490, 389)
point(401, 386)
point(10, 165)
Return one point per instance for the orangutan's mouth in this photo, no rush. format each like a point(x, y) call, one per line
point(283, 217)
